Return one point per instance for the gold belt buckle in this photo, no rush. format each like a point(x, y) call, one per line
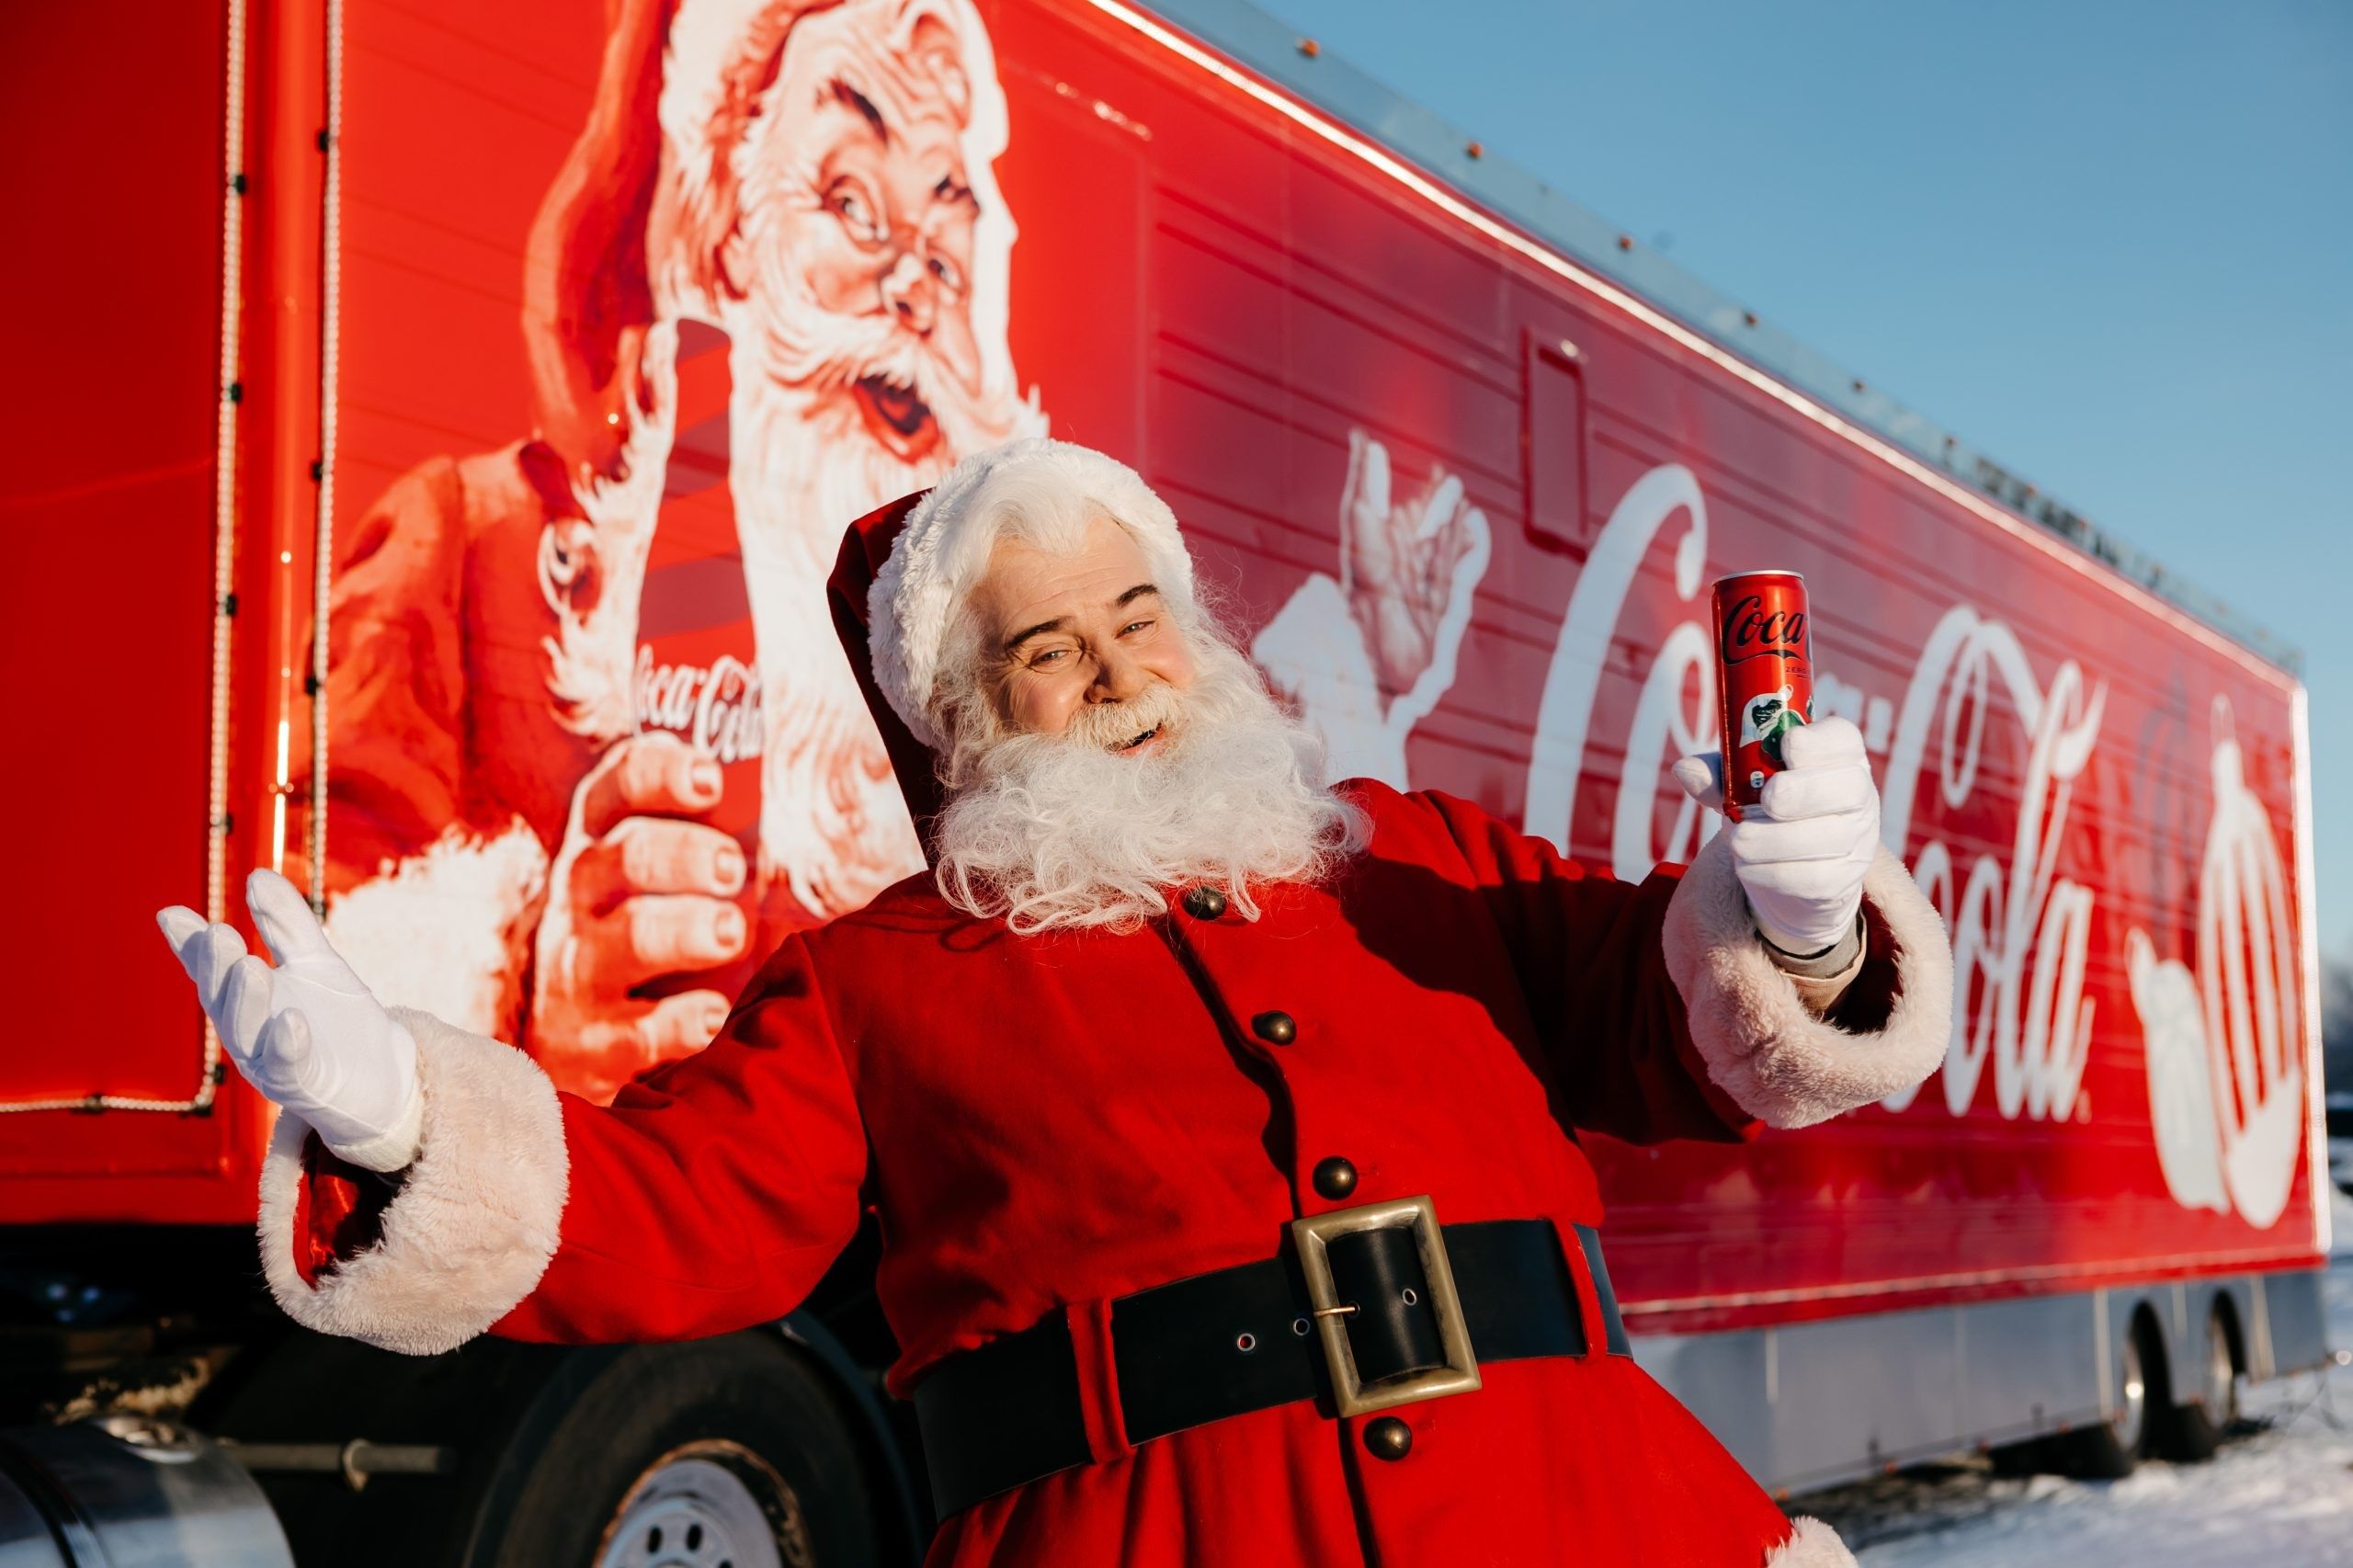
point(1311, 1236)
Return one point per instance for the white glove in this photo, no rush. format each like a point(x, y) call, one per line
point(307, 1034)
point(1802, 854)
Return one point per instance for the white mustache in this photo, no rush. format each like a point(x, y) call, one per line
point(1110, 726)
point(809, 347)
point(1054, 831)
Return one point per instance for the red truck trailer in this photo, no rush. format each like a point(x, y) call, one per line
point(426, 401)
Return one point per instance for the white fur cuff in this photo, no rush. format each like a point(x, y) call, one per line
point(1762, 1045)
point(475, 1222)
point(1813, 1544)
point(393, 1150)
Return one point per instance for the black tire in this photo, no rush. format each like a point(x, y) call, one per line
point(672, 1440)
point(2194, 1430)
point(2031, 1456)
point(317, 1389)
point(2110, 1450)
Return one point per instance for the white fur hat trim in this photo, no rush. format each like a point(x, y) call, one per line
point(912, 604)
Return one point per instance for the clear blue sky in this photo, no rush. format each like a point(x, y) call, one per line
point(2109, 244)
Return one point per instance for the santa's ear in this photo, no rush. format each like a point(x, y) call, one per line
point(931, 45)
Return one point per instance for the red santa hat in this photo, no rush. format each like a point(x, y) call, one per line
point(943, 546)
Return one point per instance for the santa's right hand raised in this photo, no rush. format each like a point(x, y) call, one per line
point(307, 1034)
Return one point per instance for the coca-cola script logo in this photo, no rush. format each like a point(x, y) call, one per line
point(2222, 1039)
point(715, 707)
point(1750, 632)
point(2022, 928)
point(2019, 929)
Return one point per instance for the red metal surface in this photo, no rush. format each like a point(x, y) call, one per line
point(116, 203)
point(1308, 358)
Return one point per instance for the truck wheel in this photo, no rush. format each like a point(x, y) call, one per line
point(2110, 1450)
point(2194, 1431)
point(717, 1453)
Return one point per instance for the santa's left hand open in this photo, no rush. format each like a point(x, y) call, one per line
point(307, 1033)
point(1802, 852)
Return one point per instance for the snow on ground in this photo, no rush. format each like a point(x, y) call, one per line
point(2278, 1495)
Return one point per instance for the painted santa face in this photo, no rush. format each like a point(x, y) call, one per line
point(855, 251)
point(1081, 644)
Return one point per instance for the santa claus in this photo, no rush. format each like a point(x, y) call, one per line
point(1221, 1125)
point(593, 748)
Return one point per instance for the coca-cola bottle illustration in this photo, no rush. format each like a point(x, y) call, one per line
point(2225, 1041)
point(696, 673)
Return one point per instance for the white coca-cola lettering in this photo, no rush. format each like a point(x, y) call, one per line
point(1663, 729)
point(716, 707)
point(2023, 928)
point(2020, 931)
point(2223, 1043)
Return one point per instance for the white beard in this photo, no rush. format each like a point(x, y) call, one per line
point(1052, 831)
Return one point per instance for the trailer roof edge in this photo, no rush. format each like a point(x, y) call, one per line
point(1258, 40)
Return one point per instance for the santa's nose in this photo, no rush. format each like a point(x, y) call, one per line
point(1118, 678)
point(910, 294)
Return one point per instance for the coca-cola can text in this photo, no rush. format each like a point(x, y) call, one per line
point(1764, 670)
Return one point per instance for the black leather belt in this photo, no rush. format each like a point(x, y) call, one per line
point(1254, 1336)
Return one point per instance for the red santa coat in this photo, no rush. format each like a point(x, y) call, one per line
point(1047, 1123)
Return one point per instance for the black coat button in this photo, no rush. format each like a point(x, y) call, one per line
point(1335, 1177)
point(1275, 1029)
point(1204, 903)
point(1388, 1439)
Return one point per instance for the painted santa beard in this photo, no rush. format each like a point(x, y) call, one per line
point(808, 464)
point(813, 465)
point(832, 818)
point(1052, 831)
point(592, 655)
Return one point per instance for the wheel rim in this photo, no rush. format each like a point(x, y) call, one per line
point(707, 1505)
point(2222, 1376)
point(2131, 1398)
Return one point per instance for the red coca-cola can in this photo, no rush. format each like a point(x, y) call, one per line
point(1765, 655)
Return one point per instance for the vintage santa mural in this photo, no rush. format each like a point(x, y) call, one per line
point(593, 746)
point(593, 751)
